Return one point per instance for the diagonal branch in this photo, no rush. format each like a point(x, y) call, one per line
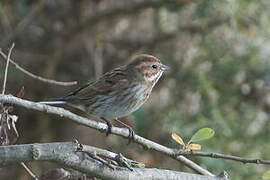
point(113, 157)
point(223, 156)
point(29, 171)
point(102, 127)
point(65, 154)
point(50, 81)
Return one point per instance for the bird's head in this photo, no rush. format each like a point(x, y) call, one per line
point(147, 68)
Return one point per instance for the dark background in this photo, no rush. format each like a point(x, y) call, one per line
point(218, 52)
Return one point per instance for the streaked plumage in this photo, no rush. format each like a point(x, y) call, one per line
point(119, 92)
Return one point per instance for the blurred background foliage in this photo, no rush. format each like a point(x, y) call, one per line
point(218, 52)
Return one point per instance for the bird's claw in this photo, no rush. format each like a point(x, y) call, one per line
point(109, 129)
point(131, 135)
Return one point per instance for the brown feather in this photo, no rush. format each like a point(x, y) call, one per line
point(102, 86)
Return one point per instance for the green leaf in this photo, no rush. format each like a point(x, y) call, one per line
point(266, 175)
point(202, 134)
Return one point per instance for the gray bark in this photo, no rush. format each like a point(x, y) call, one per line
point(65, 154)
point(103, 127)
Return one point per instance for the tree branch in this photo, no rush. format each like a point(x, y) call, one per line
point(102, 127)
point(50, 81)
point(223, 156)
point(6, 69)
point(117, 159)
point(65, 154)
point(29, 171)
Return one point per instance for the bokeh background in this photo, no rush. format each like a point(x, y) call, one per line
point(218, 52)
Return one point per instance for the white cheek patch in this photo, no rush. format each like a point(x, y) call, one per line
point(155, 76)
point(159, 75)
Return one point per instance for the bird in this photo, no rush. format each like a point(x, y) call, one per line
point(117, 93)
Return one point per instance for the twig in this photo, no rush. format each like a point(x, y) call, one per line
point(123, 161)
point(117, 158)
point(6, 69)
point(103, 127)
point(94, 156)
point(50, 81)
point(3, 92)
point(222, 156)
point(98, 151)
point(29, 171)
point(65, 155)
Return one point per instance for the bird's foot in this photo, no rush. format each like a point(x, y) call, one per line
point(131, 135)
point(109, 128)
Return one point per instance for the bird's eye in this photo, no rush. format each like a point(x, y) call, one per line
point(154, 66)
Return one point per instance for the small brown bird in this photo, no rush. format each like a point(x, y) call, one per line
point(119, 92)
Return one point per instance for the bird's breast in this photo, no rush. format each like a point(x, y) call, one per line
point(122, 101)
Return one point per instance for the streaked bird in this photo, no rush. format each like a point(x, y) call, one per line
point(117, 93)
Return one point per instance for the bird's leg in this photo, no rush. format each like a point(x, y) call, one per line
point(131, 132)
point(109, 124)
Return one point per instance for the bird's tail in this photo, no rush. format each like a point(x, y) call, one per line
point(52, 102)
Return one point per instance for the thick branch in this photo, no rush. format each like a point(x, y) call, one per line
point(102, 127)
point(223, 156)
point(65, 154)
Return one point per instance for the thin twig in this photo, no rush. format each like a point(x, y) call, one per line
point(6, 69)
point(222, 156)
point(94, 156)
point(29, 171)
point(3, 92)
point(103, 128)
point(119, 159)
point(50, 81)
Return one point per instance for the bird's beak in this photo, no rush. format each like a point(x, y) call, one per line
point(165, 68)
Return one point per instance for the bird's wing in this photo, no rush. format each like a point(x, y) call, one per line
point(102, 86)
